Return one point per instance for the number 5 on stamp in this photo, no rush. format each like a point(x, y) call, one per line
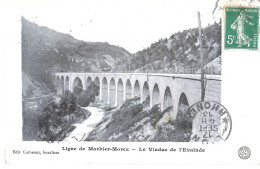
point(241, 28)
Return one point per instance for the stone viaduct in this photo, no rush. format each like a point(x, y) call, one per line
point(164, 89)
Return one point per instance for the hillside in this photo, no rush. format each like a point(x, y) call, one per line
point(137, 122)
point(45, 50)
point(32, 88)
point(180, 50)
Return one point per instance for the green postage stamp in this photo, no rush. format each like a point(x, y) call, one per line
point(241, 28)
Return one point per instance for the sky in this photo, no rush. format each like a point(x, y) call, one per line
point(131, 24)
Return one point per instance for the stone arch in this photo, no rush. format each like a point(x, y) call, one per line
point(112, 92)
point(67, 83)
point(145, 91)
point(167, 100)
point(137, 90)
point(120, 92)
point(155, 95)
point(97, 82)
point(128, 90)
point(62, 84)
point(104, 90)
point(88, 81)
point(77, 86)
point(183, 105)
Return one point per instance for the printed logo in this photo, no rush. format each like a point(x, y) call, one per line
point(244, 152)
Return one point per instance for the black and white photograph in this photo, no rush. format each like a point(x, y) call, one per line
point(95, 87)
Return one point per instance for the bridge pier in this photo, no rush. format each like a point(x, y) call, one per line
point(141, 97)
point(132, 92)
point(120, 94)
point(124, 93)
point(116, 91)
point(108, 94)
point(100, 91)
point(84, 84)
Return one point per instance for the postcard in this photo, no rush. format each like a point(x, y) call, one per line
point(131, 82)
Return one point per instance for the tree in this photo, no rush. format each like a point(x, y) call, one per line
point(55, 116)
point(88, 96)
point(68, 103)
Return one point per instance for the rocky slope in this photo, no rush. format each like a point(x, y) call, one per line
point(135, 121)
point(32, 88)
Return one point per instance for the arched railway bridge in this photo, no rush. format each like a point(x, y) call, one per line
point(165, 89)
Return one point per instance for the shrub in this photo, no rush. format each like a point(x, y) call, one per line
point(88, 96)
point(136, 109)
point(68, 103)
point(77, 90)
point(183, 123)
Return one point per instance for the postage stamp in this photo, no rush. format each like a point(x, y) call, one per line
point(241, 27)
point(211, 122)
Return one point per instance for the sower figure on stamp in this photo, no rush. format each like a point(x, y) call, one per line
point(238, 25)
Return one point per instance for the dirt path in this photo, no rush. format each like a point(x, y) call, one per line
point(83, 129)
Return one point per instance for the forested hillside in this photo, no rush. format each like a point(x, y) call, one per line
point(170, 55)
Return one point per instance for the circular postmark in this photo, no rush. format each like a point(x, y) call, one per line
point(211, 122)
point(244, 152)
